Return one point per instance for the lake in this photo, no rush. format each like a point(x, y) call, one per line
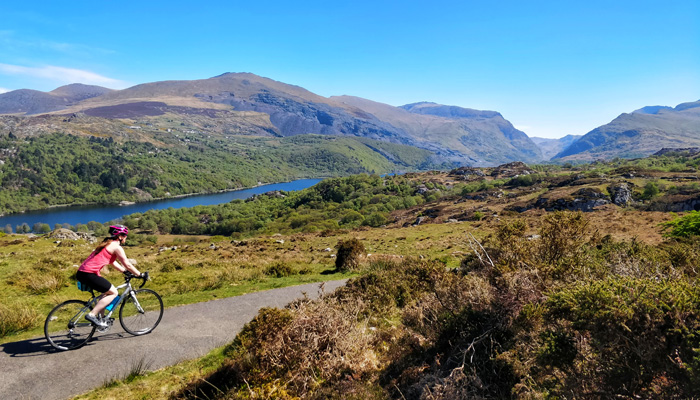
point(101, 213)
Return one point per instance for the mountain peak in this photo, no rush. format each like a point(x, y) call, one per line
point(653, 110)
point(441, 110)
point(79, 91)
point(236, 75)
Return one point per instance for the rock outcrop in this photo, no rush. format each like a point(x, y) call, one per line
point(621, 194)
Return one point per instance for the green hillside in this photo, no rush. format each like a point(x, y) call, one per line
point(38, 172)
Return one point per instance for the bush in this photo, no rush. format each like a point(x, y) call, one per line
point(524, 180)
point(348, 256)
point(686, 226)
point(279, 270)
point(630, 333)
point(563, 235)
point(290, 353)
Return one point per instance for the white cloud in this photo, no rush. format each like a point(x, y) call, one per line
point(3, 90)
point(62, 75)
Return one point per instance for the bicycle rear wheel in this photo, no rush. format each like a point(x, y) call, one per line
point(66, 327)
point(141, 312)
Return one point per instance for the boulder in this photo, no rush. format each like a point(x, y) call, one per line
point(621, 194)
point(420, 220)
point(63, 234)
point(585, 200)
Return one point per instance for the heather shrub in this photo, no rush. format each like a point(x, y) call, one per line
point(291, 353)
point(451, 293)
point(349, 254)
point(629, 335)
point(388, 286)
point(279, 270)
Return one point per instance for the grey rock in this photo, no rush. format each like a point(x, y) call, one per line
point(621, 194)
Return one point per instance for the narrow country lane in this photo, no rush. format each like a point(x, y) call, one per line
point(33, 370)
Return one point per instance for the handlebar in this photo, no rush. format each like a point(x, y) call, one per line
point(128, 276)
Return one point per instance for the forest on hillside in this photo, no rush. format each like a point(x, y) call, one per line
point(59, 169)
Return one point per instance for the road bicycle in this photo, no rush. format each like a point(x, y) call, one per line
point(140, 311)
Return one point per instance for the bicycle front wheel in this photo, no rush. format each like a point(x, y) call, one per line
point(141, 312)
point(66, 327)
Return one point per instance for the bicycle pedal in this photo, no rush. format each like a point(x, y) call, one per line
point(109, 322)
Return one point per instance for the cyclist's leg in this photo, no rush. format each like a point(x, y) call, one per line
point(104, 301)
point(102, 285)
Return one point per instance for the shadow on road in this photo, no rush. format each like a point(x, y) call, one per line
point(27, 348)
point(40, 347)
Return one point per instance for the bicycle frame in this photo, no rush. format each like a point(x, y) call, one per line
point(93, 301)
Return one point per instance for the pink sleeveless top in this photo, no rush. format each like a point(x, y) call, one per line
point(97, 261)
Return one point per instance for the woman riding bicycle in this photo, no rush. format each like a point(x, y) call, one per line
point(110, 251)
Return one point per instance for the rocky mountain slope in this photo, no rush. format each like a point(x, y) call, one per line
point(243, 103)
point(639, 134)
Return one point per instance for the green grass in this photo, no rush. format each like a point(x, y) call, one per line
point(141, 384)
point(195, 272)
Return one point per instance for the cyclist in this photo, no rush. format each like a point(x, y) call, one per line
point(110, 251)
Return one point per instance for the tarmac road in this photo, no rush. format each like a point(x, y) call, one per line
point(33, 370)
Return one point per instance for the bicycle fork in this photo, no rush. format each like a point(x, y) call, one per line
point(138, 305)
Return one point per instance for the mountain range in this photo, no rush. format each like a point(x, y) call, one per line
point(247, 104)
point(638, 134)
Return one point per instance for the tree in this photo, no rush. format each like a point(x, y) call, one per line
point(97, 228)
point(375, 220)
point(41, 228)
point(148, 225)
point(651, 189)
point(81, 228)
point(8, 229)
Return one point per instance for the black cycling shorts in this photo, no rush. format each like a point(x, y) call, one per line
point(96, 282)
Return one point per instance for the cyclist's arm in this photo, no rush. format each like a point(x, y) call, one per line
point(123, 264)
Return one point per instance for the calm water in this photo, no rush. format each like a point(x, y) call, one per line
point(85, 214)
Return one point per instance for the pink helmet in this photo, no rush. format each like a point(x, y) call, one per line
point(116, 230)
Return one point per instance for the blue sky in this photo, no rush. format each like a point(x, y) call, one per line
point(552, 68)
